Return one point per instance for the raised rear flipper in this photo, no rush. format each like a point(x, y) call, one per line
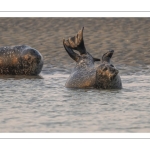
point(71, 53)
point(76, 42)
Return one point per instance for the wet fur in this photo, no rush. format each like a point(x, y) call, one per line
point(107, 77)
point(85, 75)
point(20, 60)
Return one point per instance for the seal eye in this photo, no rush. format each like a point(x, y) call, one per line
point(112, 65)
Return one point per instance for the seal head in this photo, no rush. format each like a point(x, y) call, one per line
point(32, 61)
point(107, 76)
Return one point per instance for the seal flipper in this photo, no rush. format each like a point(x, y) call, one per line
point(107, 56)
point(77, 42)
point(71, 53)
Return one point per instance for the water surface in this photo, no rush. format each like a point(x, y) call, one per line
point(43, 104)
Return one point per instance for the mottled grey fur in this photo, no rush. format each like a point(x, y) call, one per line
point(20, 60)
point(107, 76)
point(85, 75)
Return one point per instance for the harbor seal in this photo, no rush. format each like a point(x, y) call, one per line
point(107, 76)
point(20, 60)
point(85, 74)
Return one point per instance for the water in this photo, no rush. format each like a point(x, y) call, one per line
point(43, 104)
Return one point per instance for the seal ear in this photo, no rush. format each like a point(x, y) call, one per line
point(71, 53)
point(77, 42)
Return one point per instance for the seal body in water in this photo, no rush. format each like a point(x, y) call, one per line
point(85, 74)
point(20, 60)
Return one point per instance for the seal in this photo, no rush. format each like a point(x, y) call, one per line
point(85, 74)
point(20, 60)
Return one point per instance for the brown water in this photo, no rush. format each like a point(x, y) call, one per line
point(43, 104)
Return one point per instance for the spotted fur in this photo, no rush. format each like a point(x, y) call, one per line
point(20, 60)
point(85, 75)
point(107, 77)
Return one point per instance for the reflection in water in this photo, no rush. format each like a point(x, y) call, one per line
point(42, 103)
